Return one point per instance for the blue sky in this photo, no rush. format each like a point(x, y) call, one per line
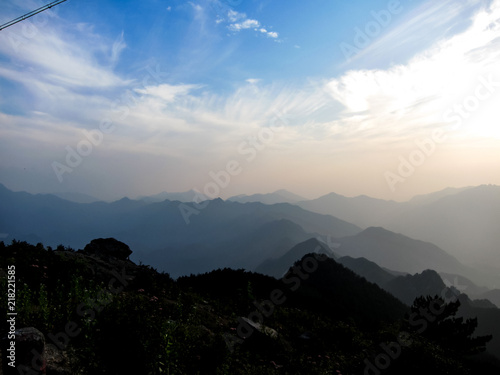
point(178, 89)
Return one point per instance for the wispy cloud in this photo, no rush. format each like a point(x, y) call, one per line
point(60, 58)
point(118, 46)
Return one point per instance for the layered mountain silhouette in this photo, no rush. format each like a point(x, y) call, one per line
point(245, 235)
point(220, 234)
point(463, 222)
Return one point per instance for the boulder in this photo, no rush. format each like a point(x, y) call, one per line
point(108, 247)
point(29, 351)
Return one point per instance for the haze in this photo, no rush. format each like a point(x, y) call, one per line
point(120, 98)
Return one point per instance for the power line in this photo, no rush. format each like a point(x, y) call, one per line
point(30, 14)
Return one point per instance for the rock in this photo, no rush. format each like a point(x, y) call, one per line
point(260, 328)
point(108, 247)
point(29, 350)
point(58, 362)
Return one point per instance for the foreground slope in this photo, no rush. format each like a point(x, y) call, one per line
point(130, 319)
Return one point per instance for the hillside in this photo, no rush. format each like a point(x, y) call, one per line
point(277, 267)
point(397, 252)
point(369, 270)
point(319, 318)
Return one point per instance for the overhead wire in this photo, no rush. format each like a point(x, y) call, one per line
point(31, 14)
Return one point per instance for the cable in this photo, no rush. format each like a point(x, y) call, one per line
point(30, 14)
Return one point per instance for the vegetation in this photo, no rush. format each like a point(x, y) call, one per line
point(131, 319)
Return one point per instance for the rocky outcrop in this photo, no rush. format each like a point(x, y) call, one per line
point(108, 247)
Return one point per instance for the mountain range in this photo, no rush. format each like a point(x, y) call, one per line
point(463, 222)
point(230, 233)
point(270, 237)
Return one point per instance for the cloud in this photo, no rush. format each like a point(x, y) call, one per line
point(234, 16)
point(175, 128)
point(166, 92)
point(62, 58)
point(408, 98)
point(118, 46)
point(270, 34)
point(418, 29)
point(245, 23)
point(253, 81)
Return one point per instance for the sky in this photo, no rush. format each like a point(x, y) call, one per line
point(126, 98)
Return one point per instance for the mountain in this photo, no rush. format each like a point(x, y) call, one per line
point(367, 269)
point(247, 251)
point(461, 221)
point(77, 197)
point(321, 318)
point(491, 295)
point(433, 197)
point(363, 211)
point(397, 252)
point(407, 288)
point(487, 318)
point(465, 224)
point(345, 295)
point(463, 284)
point(186, 196)
point(277, 267)
point(429, 283)
point(229, 234)
point(279, 196)
point(219, 233)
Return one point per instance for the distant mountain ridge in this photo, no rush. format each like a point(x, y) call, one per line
point(279, 196)
point(186, 196)
point(222, 234)
point(226, 233)
point(277, 267)
point(397, 252)
point(77, 197)
point(461, 221)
